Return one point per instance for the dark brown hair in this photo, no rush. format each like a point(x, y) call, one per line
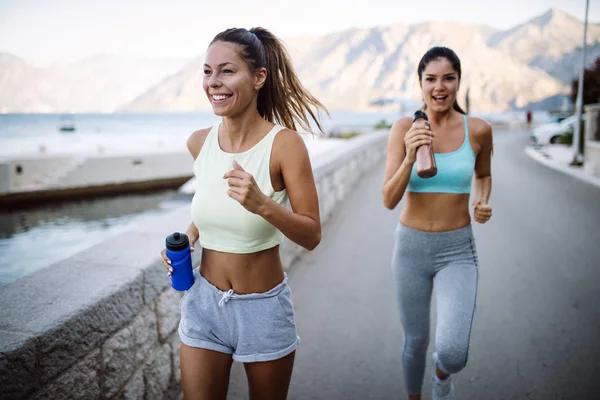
point(282, 99)
point(436, 53)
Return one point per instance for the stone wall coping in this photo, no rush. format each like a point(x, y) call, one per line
point(593, 144)
point(590, 107)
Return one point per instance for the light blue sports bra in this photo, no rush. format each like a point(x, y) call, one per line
point(454, 171)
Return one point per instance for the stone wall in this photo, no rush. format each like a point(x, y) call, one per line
point(5, 176)
point(592, 145)
point(45, 173)
point(27, 172)
point(102, 324)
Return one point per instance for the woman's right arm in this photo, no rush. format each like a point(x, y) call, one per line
point(194, 145)
point(404, 140)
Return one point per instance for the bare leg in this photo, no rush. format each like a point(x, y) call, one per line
point(270, 380)
point(204, 373)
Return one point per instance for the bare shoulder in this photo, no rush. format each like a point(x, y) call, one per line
point(479, 128)
point(196, 141)
point(397, 134)
point(289, 142)
point(401, 126)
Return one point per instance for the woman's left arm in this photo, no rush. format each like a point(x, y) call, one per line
point(482, 211)
point(302, 225)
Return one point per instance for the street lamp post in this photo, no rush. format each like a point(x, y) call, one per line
point(577, 156)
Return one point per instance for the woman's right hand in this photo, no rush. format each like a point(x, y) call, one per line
point(167, 263)
point(418, 135)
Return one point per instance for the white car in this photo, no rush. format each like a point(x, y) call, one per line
point(551, 133)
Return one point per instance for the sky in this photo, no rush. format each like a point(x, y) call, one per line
point(45, 32)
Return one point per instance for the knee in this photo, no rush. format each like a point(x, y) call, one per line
point(416, 346)
point(452, 360)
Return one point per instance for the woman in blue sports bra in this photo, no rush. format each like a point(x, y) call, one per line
point(434, 244)
point(254, 185)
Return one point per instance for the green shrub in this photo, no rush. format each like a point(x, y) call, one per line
point(349, 135)
point(383, 124)
point(567, 138)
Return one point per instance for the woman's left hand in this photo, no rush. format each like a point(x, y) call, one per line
point(482, 212)
point(243, 189)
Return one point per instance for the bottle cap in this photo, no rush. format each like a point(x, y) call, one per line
point(420, 114)
point(177, 241)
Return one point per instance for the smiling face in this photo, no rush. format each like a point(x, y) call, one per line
point(439, 82)
point(228, 82)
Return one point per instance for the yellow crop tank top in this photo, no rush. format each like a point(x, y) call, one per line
point(224, 224)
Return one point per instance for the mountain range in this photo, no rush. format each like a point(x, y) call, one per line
point(100, 83)
point(525, 66)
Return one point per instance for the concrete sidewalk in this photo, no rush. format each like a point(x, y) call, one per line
point(558, 157)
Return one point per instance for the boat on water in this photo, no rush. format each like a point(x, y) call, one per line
point(67, 123)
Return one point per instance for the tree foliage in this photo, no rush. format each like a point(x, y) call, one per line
point(591, 85)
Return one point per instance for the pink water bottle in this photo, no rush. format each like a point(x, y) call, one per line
point(426, 167)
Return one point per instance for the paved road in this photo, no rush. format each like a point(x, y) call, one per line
point(536, 333)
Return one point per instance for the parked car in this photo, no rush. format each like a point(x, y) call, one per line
point(559, 117)
point(551, 133)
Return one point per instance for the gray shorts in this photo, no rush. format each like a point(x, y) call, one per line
point(252, 327)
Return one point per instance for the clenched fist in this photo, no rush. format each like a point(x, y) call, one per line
point(482, 212)
point(243, 189)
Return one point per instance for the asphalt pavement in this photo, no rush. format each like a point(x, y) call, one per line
point(536, 333)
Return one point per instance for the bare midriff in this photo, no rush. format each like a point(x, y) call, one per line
point(244, 273)
point(436, 212)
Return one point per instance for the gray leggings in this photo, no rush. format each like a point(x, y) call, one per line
point(448, 261)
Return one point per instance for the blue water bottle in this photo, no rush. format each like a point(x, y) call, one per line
point(178, 251)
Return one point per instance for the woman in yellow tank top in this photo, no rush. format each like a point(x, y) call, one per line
point(247, 169)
